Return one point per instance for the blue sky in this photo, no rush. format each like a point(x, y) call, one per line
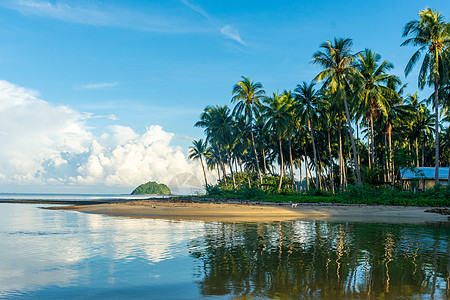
point(134, 64)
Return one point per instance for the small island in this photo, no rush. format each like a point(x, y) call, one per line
point(152, 188)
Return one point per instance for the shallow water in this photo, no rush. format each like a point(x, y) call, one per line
point(49, 254)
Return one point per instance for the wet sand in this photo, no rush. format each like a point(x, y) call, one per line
point(209, 210)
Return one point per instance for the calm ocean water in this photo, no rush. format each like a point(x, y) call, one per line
point(48, 254)
point(71, 197)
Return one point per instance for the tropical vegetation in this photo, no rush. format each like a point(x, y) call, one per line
point(152, 188)
point(350, 125)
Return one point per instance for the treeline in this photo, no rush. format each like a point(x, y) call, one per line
point(352, 124)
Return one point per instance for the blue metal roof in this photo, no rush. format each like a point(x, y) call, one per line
point(426, 173)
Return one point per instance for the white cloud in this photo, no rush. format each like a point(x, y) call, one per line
point(198, 9)
point(44, 144)
point(231, 32)
point(101, 85)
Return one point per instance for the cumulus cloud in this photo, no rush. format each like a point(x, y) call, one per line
point(231, 32)
point(53, 145)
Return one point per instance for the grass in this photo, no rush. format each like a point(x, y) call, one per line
point(436, 197)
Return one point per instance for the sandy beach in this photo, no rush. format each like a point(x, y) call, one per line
point(265, 212)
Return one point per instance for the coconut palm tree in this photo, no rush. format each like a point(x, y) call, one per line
point(200, 150)
point(248, 95)
point(218, 124)
point(276, 111)
point(375, 77)
point(307, 102)
point(292, 125)
point(432, 34)
point(339, 74)
point(397, 112)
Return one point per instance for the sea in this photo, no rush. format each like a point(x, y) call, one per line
point(57, 254)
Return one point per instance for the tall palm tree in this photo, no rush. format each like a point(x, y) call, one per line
point(339, 74)
point(375, 77)
point(292, 125)
point(432, 34)
point(307, 102)
point(218, 122)
point(200, 150)
point(276, 111)
point(397, 112)
point(248, 95)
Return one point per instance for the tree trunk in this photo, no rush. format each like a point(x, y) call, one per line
point(306, 171)
point(218, 172)
point(358, 174)
point(423, 153)
point(318, 185)
point(341, 173)
point(417, 154)
point(372, 143)
point(331, 161)
point(436, 128)
point(368, 146)
point(223, 167)
point(230, 163)
point(350, 155)
point(357, 141)
point(391, 161)
point(294, 187)
point(300, 175)
point(256, 157)
point(248, 174)
point(264, 161)
point(281, 165)
point(204, 173)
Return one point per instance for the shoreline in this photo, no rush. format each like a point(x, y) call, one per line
point(212, 209)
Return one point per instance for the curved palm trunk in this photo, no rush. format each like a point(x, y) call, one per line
point(256, 157)
point(281, 165)
point(358, 174)
point(294, 188)
point(436, 128)
point(204, 173)
point(318, 185)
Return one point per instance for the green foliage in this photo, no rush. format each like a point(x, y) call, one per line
point(151, 188)
point(436, 197)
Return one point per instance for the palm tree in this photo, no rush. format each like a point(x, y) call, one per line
point(374, 88)
point(276, 111)
point(248, 96)
point(339, 74)
point(218, 124)
point(432, 34)
point(307, 102)
point(200, 150)
point(292, 125)
point(397, 113)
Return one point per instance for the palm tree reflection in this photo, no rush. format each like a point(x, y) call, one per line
point(326, 260)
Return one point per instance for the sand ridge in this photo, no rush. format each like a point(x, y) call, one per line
point(220, 210)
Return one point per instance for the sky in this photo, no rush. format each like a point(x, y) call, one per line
point(101, 96)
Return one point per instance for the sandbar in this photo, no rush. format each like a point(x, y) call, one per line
point(242, 211)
